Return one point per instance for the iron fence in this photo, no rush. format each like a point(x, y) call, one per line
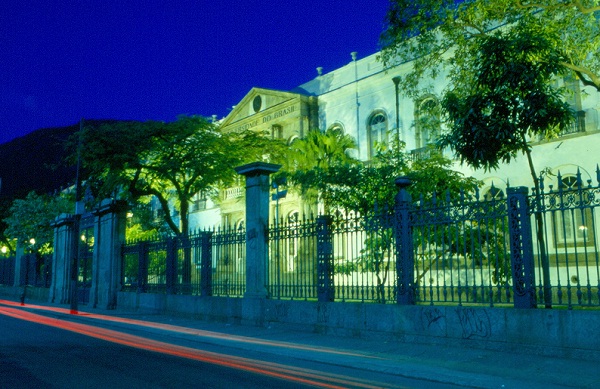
point(229, 262)
point(208, 262)
point(461, 250)
point(363, 255)
point(454, 251)
point(292, 269)
point(7, 271)
point(566, 247)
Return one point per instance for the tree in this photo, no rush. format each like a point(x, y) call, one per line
point(5, 240)
point(170, 161)
point(442, 35)
point(32, 217)
point(367, 189)
point(511, 100)
point(313, 156)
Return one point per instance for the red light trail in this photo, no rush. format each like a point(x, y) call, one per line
point(289, 373)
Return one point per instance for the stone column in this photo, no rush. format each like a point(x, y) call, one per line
point(61, 260)
point(405, 259)
point(521, 248)
point(109, 235)
point(325, 281)
point(18, 276)
point(257, 223)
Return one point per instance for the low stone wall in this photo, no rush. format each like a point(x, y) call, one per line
point(567, 333)
point(32, 293)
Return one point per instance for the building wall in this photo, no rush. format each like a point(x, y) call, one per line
point(349, 96)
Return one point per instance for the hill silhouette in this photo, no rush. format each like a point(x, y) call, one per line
point(37, 162)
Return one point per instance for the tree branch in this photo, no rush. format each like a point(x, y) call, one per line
point(587, 77)
point(583, 9)
point(574, 3)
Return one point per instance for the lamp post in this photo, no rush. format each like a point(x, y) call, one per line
point(396, 82)
point(75, 237)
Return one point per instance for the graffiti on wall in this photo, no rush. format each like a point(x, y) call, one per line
point(475, 323)
point(433, 319)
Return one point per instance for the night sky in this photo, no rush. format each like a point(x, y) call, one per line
point(155, 60)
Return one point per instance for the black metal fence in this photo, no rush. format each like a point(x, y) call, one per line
point(292, 269)
point(461, 249)
point(566, 235)
point(35, 270)
point(7, 271)
point(507, 249)
point(208, 263)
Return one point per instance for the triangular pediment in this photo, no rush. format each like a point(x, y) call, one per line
point(257, 101)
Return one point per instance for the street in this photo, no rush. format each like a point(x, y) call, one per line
point(48, 348)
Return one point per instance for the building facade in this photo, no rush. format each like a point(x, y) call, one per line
point(362, 98)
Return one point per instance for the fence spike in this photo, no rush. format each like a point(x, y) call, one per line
point(559, 181)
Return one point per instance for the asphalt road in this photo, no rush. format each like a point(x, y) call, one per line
point(45, 349)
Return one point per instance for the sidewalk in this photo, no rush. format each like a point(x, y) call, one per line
point(438, 364)
point(459, 366)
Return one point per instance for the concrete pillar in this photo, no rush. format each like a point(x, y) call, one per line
point(257, 223)
point(61, 260)
point(109, 235)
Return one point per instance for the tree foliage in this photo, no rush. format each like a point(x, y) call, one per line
point(363, 187)
point(170, 161)
point(32, 217)
point(367, 189)
point(442, 35)
point(311, 157)
point(510, 101)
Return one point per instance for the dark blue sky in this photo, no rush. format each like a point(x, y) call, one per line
point(143, 60)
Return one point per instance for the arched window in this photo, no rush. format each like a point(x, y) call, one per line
point(336, 127)
point(377, 134)
point(493, 193)
point(427, 123)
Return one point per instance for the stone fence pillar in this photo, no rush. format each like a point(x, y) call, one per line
point(61, 260)
point(257, 224)
point(18, 276)
point(521, 248)
point(405, 259)
point(109, 235)
point(325, 281)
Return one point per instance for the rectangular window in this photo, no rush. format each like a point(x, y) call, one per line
point(276, 131)
point(573, 227)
